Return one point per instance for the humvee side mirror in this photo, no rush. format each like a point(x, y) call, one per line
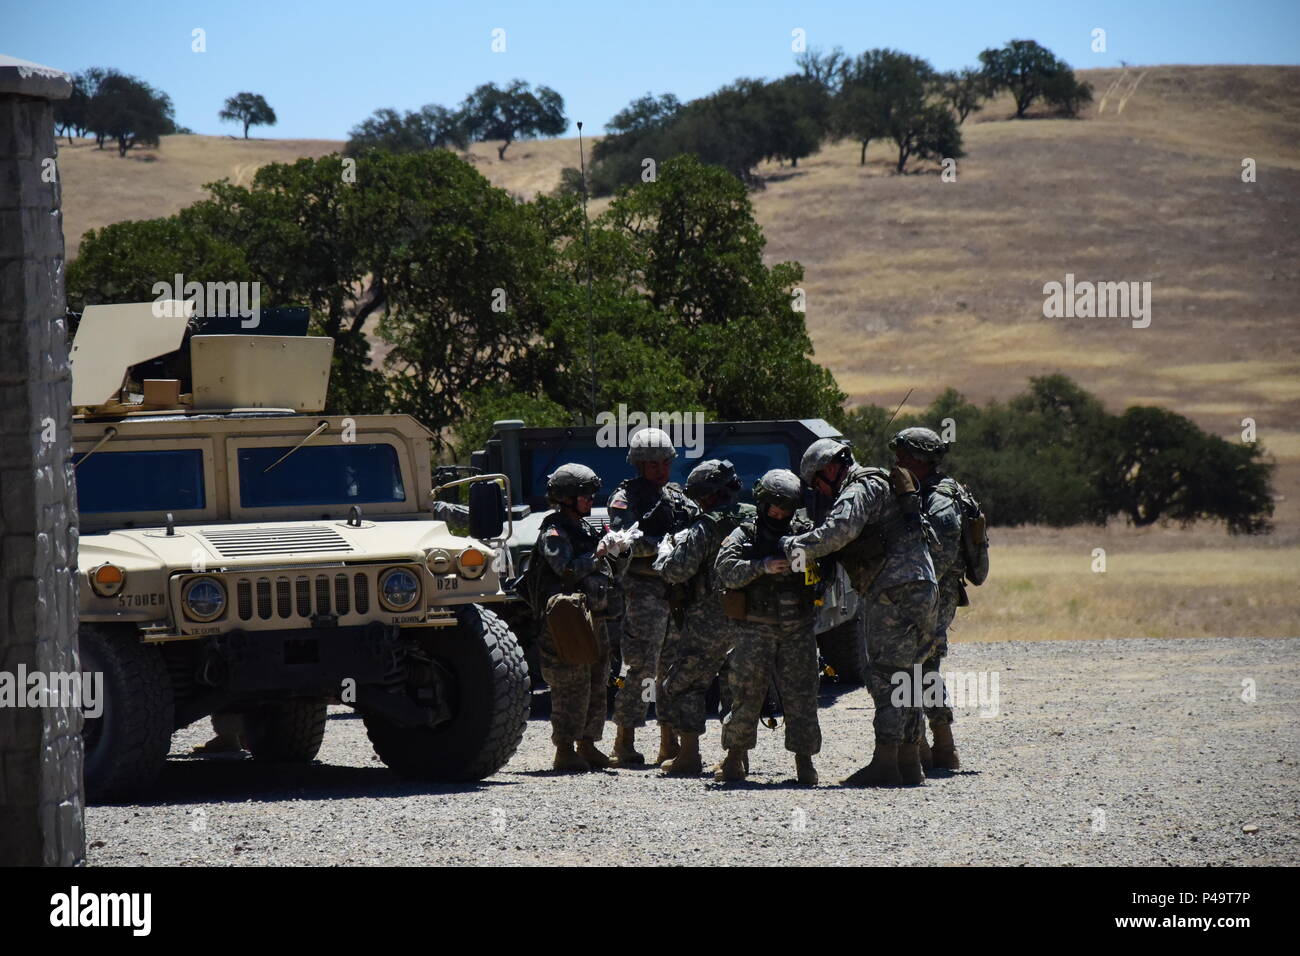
point(487, 510)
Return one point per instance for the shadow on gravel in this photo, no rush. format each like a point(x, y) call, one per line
point(761, 785)
point(829, 694)
point(238, 778)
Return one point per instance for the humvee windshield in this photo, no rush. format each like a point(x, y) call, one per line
point(347, 474)
point(122, 481)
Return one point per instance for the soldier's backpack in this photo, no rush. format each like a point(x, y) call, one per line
point(529, 586)
point(974, 539)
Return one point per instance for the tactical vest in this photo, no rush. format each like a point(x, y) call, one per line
point(721, 523)
point(775, 598)
point(666, 510)
point(864, 557)
point(541, 582)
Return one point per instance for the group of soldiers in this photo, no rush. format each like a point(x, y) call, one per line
point(695, 583)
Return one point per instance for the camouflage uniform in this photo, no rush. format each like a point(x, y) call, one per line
point(708, 634)
point(777, 641)
point(646, 624)
point(897, 580)
point(941, 495)
point(456, 516)
point(577, 692)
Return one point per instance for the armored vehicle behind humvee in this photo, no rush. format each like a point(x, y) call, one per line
point(246, 556)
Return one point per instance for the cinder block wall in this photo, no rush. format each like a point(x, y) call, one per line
point(40, 748)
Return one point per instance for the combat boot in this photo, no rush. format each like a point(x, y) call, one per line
point(804, 770)
point(945, 751)
point(625, 752)
point(909, 765)
point(881, 772)
point(687, 763)
point(923, 749)
point(718, 766)
point(567, 760)
point(588, 752)
point(733, 766)
point(668, 743)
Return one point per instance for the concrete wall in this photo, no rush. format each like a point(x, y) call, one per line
point(40, 747)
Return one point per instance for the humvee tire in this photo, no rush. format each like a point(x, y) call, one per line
point(844, 648)
point(489, 705)
point(127, 745)
point(287, 732)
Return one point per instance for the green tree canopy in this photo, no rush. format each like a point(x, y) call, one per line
point(251, 109)
point(1053, 455)
point(887, 94)
point(129, 110)
point(964, 92)
point(515, 112)
point(1031, 72)
point(430, 127)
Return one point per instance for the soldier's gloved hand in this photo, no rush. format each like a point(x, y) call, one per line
point(612, 544)
point(665, 547)
point(776, 565)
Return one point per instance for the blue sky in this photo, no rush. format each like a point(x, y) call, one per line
point(327, 64)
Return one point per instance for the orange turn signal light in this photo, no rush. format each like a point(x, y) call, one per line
point(107, 579)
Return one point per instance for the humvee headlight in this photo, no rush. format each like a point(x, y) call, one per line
point(399, 589)
point(472, 563)
point(107, 579)
point(204, 599)
point(439, 561)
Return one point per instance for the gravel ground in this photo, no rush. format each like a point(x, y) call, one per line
point(1101, 752)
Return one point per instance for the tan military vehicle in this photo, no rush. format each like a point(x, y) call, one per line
point(245, 556)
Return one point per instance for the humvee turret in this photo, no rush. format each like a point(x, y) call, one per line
point(244, 555)
point(528, 455)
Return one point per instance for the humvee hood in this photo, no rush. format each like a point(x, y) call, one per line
point(259, 544)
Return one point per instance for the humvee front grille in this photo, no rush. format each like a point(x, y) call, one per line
point(301, 597)
point(243, 542)
point(264, 599)
point(283, 603)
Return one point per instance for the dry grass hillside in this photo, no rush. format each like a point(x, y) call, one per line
point(916, 282)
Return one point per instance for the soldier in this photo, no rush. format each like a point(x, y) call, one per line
point(776, 638)
point(921, 452)
point(876, 530)
point(576, 559)
point(706, 633)
point(657, 508)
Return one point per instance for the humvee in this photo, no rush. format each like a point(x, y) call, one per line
point(244, 555)
point(528, 455)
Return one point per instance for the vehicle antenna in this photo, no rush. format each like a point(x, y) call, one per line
point(586, 245)
point(897, 410)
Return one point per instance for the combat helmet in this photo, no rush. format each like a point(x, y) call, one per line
point(820, 454)
point(708, 477)
point(650, 444)
point(569, 481)
point(778, 487)
point(919, 443)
